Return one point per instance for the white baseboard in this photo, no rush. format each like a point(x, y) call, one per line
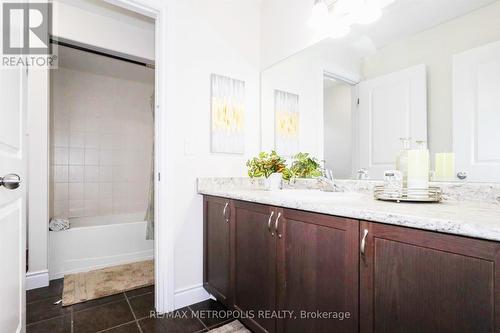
point(37, 279)
point(191, 295)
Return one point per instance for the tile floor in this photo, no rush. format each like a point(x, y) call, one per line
point(123, 313)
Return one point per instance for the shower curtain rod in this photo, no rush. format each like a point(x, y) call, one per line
point(102, 52)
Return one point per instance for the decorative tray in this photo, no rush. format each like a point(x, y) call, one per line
point(432, 194)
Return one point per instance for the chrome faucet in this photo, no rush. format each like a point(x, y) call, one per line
point(326, 182)
point(362, 174)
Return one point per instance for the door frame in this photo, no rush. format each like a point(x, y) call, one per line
point(163, 231)
point(354, 83)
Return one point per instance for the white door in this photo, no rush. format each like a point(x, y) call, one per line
point(12, 201)
point(391, 107)
point(476, 112)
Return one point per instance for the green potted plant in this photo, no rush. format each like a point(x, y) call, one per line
point(270, 166)
point(305, 166)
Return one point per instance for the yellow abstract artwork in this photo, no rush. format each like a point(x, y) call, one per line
point(287, 123)
point(228, 115)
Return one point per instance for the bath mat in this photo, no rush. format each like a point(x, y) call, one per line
point(232, 327)
point(108, 281)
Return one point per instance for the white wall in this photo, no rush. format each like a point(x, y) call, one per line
point(435, 48)
point(102, 140)
point(338, 149)
point(207, 36)
point(99, 24)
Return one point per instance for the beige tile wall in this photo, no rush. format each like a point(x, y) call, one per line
point(101, 141)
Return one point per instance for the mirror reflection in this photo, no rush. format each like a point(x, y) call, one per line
point(425, 77)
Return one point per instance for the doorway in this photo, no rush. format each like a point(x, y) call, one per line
point(163, 301)
point(101, 162)
point(338, 126)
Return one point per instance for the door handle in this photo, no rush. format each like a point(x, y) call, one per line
point(224, 211)
point(269, 223)
point(363, 242)
point(276, 225)
point(10, 181)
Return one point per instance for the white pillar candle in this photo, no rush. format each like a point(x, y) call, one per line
point(418, 172)
point(445, 166)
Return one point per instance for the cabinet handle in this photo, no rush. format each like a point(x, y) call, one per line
point(269, 222)
point(276, 225)
point(225, 211)
point(363, 242)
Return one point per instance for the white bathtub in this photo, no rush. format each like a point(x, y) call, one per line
point(97, 242)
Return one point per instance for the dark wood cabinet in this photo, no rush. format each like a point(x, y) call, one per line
point(318, 271)
point(216, 273)
point(284, 260)
point(418, 281)
point(254, 264)
point(376, 277)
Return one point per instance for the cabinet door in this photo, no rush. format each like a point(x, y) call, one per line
point(217, 212)
point(318, 262)
point(254, 265)
point(418, 281)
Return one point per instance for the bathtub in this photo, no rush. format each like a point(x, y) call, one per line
point(97, 242)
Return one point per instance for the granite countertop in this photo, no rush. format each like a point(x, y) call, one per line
point(465, 218)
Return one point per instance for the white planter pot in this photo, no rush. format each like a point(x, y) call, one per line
point(274, 182)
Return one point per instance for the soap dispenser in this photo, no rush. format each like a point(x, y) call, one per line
point(418, 171)
point(402, 161)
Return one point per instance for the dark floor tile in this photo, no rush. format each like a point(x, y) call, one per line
point(179, 321)
point(140, 291)
point(54, 289)
point(211, 313)
point(151, 325)
point(55, 325)
point(102, 317)
point(143, 305)
point(44, 309)
point(99, 301)
point(127, 328)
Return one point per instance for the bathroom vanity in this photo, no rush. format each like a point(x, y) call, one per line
point(307, 251)
point(394, 267)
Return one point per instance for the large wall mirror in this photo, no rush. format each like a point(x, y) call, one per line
point(427, 70)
